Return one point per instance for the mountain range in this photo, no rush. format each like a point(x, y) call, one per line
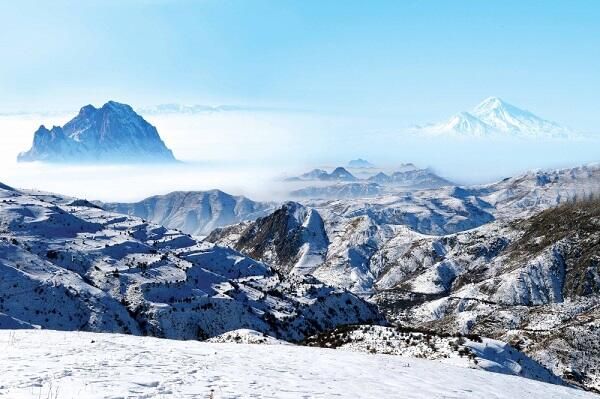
point(515, 260)
point(501, 277)
point(495, 117)
point(66, 264)
point(347, 185)
point(112, 133)
point(194, 212)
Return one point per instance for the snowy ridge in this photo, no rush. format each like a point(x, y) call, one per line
point(338, 174)
point(531, 282)
point(194, 212)
point(372, 182)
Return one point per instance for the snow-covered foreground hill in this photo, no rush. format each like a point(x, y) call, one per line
point(52, 364)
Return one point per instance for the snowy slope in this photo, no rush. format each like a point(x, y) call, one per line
point(465, 351)
point(88, 365)
point(495, 117)
point(69, 265)
point(194, 212)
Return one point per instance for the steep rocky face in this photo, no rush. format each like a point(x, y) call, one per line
point(113, 133)
point(194, 212)
point(292, 238)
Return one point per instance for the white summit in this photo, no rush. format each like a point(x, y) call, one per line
point(495, 117)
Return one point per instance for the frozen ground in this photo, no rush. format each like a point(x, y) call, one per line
point(51, 364)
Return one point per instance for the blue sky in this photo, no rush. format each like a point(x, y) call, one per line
point(412, 61)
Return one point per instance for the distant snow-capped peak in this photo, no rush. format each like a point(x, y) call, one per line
point(492, 117)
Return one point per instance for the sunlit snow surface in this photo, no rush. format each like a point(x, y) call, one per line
point(50, 364)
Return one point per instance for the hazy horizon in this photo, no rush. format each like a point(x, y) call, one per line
point(249, 152)
point(305, 83)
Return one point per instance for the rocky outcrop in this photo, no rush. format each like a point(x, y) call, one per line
point(113, 133)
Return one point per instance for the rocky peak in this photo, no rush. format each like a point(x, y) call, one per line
point(113, 133)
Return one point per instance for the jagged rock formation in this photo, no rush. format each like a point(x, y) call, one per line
point(113, 133)
point(292, 239)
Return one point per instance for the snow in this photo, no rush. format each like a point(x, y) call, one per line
point(89, 365)
point(78, 267)
point(495, 117)
point(194, 212)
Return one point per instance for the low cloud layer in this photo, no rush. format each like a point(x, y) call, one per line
point(248, 152)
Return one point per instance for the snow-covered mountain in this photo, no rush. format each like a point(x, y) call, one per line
point(292, 239)
point(411, 177)
point(340, 191)
point(338, 174)
point(360, 163)
point(66, 264)
point(112, 133)
point(532, 282)
point(194, 212)
point(371, 183)
point(493, 117)
point(357, 228)
point(476, 259)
